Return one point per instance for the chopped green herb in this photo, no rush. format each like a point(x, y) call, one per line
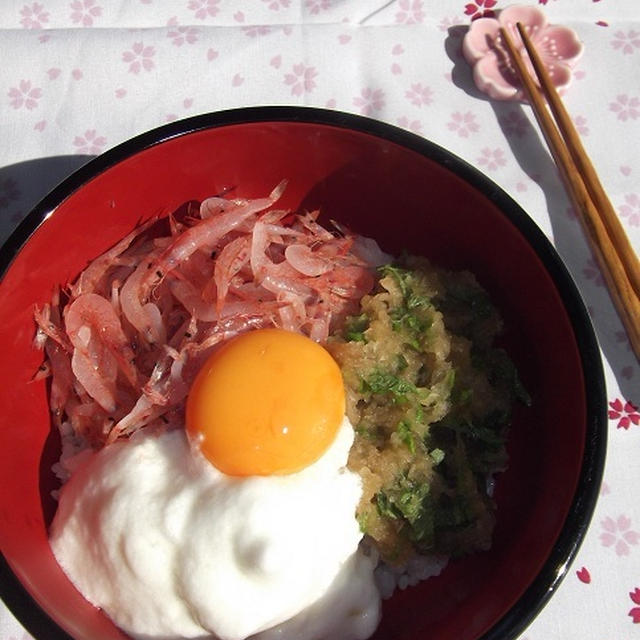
point(433, 381)
point(415, 301)
point(405, 319)
point(385, 506)
point(384, 382)
point(413, 315)
point(363, 521)
point(400, 275)
point(410, 500)
point(355, 326)
point(405, 432)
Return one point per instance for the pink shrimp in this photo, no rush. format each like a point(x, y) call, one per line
point(143, 316)
point(166, 386)
point(319, 327)
point(259, 261)
point(47, 327)
point(230, 261)
point(197, 268)
point(283, 286)
point(206, 234)
point(308, 221)
point(97, 372)
point(89, 278)
point(88, 420)
point(61, 378)
point(302, 259)
point(191, 299)
point(267, 247)
point(229, 328)
point(94, 329)
point(215, 205)
point(351, 282)
point(143, 412)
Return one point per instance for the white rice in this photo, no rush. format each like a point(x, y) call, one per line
point(389, 578)
point(74, 450)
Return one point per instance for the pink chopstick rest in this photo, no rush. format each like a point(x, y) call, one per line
point(493, 72)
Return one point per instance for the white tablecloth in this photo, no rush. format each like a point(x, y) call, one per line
point(79, 76)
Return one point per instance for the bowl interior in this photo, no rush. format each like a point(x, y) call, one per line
point(407, 201)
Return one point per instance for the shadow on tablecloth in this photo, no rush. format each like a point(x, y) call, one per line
point(24, 184)
point(534, 158)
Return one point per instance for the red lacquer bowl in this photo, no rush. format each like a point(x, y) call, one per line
point(408, 194)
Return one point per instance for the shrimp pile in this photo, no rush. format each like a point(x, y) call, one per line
point(125, 340)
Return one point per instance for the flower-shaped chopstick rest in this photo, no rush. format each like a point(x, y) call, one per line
point(493, 71)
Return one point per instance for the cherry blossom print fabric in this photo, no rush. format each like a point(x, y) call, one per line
point(80, 76)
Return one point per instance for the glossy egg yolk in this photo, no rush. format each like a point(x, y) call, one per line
point(268, 402)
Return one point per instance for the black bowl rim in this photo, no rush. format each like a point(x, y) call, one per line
point(531, 602)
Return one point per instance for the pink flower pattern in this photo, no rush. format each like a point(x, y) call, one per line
point(419, 94)
point(89, 142)
point(463, 124)
point(33, 16)
point(446, 24)
point(491, 159)
point(301, 79)
point(514, 123)
point(369, 100)
point(581, 125)
point(626, 413)
point(480, 9)
point(591, 271)
point(411, 12)
point(203, 9)
point(627, 42)
point(635, 611)
point(276, 5)
point(84, 11)
point(626, 107)
point(316, 6)
point(257, 30)
point(584, 575)
point(622, 338)
point(631, 209)
point(139, 57)
point(24, 95)
point(182, 34)
point(619, 535)
point(412, 125)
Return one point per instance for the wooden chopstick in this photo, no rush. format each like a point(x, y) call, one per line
point(609, 243)
point(584, 165)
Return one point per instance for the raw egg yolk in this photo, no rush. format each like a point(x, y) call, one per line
point(268, 402)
